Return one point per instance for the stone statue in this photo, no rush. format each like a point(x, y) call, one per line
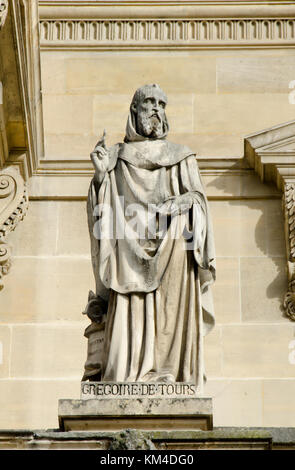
point(3, 11)
point(152, 254)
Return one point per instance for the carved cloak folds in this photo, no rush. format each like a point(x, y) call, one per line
point(157, 286)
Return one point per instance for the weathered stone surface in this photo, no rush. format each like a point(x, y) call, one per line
point(246, 353)
point(263, 284)
point(5, 344)
point(50, 340)
point(185, 72)
point(236, 402)
point(278, 403)
point(139, 413)
point(111, 390)
point(131, 439)
point(67, 114)
point(254, 74)
point(32, 403)
point(44, 284)
point(226, 293)
point(34, 238)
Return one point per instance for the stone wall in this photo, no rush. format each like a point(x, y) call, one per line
point(217, 96)
point(249, 375)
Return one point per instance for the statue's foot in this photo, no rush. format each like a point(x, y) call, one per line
point(156, 377)
point(166, 378)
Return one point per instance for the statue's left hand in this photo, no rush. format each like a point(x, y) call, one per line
point(176, 205)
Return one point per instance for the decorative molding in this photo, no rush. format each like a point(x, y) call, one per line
point(3, 11)
point(189, 24)
point(84, 167)
point(178, 33)
point(25, 20)
point(289, 205)
point(163, 9)
point(13, 208)
point(20, 42)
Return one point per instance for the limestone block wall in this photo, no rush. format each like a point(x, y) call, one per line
point(247, 355)
point(215, 97)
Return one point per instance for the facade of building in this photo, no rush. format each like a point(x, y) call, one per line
point(68, 70)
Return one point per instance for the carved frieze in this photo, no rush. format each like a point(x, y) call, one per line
point(13, 207)
point(182, 32)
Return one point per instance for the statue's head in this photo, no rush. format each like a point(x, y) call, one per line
point(148, 112)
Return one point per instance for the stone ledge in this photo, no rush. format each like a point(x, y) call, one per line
point(219, 438)
point(139, 413)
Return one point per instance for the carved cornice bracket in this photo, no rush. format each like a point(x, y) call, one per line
point(289, 206)
point(13, 208)
point(271, 153)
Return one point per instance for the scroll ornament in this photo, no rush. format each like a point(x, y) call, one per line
point(3, 11)
point(13, 207)
point(289, 300)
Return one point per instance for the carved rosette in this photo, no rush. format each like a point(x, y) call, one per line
point(13, 207)
point(289, 200)
point(3, 11)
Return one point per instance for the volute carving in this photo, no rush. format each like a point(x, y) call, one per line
point(289, 200)
point(13, 207)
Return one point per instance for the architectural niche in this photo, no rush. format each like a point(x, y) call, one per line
point(271, 153)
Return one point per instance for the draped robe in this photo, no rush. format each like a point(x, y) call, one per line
point(157, 287)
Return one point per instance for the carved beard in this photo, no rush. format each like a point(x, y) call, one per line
point(149, 126)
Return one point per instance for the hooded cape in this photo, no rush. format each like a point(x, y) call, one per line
point(141, 173)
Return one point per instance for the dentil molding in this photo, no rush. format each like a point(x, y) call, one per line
point(165, 24)
point(155, 33)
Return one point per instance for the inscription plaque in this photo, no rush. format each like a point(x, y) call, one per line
point(137, 389)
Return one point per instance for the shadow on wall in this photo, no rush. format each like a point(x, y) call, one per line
point(266, 241)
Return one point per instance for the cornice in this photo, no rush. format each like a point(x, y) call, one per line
point(165, 9)
point(271, 152)
point(166, 33)
point(165, 24)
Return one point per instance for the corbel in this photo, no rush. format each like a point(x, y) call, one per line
point(13, 208)
point(271, 153)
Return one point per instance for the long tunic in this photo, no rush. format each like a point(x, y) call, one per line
point(157, 285)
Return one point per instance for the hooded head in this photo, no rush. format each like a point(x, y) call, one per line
point(147, 118)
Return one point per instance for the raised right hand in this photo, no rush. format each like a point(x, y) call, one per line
point(100, 160)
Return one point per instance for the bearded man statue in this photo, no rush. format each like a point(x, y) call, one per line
point(152, 253)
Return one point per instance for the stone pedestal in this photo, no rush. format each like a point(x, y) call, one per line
point(153, 406)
